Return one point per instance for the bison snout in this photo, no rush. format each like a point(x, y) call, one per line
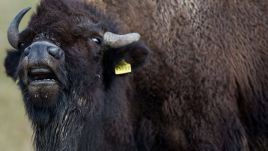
point(43, 64)
point(43, 50)
point(43, 73)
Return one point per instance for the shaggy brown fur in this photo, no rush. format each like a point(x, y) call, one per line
point(204, 87)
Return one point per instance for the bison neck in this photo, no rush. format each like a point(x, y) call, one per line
point(92, 122)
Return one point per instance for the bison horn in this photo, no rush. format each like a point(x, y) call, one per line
point(115, 40)
point(13, 30)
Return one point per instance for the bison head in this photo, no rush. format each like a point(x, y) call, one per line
point(67, 52)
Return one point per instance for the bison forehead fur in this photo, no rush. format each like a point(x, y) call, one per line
point(203, 87)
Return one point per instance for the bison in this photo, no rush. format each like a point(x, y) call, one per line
point(197, 80)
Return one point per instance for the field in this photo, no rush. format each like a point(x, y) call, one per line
point(15, 128)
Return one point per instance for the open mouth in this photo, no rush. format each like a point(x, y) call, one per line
point(41, 75)
point(42, 85)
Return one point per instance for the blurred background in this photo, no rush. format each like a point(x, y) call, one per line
point(15, 129)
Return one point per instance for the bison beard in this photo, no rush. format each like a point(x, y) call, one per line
point(204, 86)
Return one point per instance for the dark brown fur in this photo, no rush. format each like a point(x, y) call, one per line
point(204, 87)
point(208, 72)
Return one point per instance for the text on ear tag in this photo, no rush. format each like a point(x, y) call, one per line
point(122, 68)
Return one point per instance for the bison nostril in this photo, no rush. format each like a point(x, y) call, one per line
point(55, 52)
point(27, 51)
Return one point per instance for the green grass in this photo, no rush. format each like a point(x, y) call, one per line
point(15, 128)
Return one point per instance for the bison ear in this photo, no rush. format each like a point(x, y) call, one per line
point(134, 54)
point(11, 63)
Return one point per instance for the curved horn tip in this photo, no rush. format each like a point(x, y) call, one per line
point(116, 40)
point(13, 31)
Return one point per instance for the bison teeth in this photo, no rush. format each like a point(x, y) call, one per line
point(42, 82)
point(45, 80)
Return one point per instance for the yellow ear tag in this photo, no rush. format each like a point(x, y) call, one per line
point(122, 68)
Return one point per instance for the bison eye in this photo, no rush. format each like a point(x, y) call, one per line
point(97, 40)
point(21, 45)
